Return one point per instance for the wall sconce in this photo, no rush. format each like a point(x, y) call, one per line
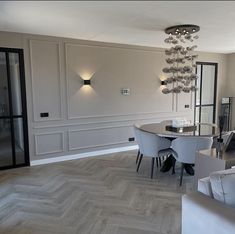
point(87, 82)
point(163, 82)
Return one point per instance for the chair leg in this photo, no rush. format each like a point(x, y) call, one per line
point(157, 161)
point(138, 155)
point(153, 159)
point(173, 168)
point(141, 156)
point(160, 161)
point(181, 173)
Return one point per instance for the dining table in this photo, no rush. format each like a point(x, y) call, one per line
point(200, 130)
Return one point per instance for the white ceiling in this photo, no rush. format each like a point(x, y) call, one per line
point(128, 22)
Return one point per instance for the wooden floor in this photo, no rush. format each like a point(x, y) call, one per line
point(93, 195)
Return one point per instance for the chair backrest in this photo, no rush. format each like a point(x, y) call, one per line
point(186, 147)
point(226, 135)
point(137, 136)
point(151, 144)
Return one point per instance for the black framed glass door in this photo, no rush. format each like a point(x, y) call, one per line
point(13, 112)
point(205, 97)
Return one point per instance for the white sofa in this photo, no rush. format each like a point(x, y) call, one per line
point(211, 210)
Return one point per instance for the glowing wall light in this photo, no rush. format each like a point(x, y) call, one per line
point(87, 82)
point(163, 82)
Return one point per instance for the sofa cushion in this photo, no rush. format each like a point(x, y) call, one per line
point(223, 186)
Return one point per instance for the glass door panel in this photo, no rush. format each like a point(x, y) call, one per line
point(206, 94)
point(15, 83)
point(198, 84)
point(197, 115)
point(5, 143)
point(13, 113)
point(4, 99)
point(207, 114)
point(19, 140)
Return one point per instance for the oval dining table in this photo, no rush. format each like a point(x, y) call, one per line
point(202, 129)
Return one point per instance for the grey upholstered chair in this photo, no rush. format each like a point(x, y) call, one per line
point(226, 135)
point(185, 148)
point(150, 146)
point(137, 137)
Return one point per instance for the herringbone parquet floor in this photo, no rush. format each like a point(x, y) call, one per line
point(100, 195)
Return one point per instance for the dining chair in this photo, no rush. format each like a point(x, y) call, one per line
point(137, 137)
point(185, 149)
point(225, 136)
point(151, 145)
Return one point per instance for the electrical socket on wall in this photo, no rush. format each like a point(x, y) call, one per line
point(131, 139)
point(44, 114)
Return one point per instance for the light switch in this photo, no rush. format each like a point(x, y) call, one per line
point(125, 92)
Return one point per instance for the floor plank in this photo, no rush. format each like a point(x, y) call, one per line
point(94, 195)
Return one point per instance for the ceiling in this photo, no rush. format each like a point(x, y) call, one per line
point(127, 22)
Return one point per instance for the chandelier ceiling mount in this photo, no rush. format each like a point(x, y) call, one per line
point(182, 29)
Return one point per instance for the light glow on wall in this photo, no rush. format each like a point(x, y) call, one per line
point(86, 89)
point(162, 78)
point(86, 75)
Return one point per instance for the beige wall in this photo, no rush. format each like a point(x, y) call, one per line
point(230, 84)
point(85, 119)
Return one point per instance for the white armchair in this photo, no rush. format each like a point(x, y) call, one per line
point(202, 213)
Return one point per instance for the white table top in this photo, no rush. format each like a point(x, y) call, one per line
point(159, 129)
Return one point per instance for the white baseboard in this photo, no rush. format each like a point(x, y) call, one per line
point(82, 155)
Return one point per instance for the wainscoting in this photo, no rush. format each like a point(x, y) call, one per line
point(86, 120)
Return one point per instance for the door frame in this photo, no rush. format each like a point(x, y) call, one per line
point(24, 117)
point(215, 90)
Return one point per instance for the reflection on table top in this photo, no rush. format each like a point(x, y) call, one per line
point(206, 130)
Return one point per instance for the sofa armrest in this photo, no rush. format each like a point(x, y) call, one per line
point(204, 215)
point(204, 186)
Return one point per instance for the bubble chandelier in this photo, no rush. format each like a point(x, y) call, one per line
point(181, 57)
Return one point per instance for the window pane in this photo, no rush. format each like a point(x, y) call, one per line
point(207, 114)
point(5, 143)
point(198, 83)
point(197, 115)
point(15, 83)
point(208, 79)
point(4, 101)
point(19, 140)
